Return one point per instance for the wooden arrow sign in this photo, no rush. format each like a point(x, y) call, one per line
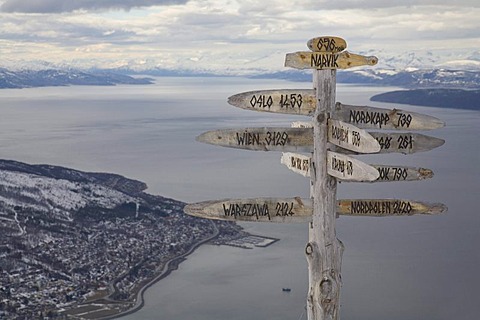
point(327, 60)
point(366, 117)
point(350, 137)
point(387, 207)
point(406, 143)
point(298, 163)
point(301, 164)
point(349, 169)
point(259, 209)
point(401, 173)
point(289, 101)
point(262, 139)
point(300, 210)
point(327, 44)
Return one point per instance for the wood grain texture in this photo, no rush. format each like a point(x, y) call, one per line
point(256, 209)
point(366, 117)
point(261, 139)
point(327, 60)
point(287, 101)
point(347, 168)
point(327, 44)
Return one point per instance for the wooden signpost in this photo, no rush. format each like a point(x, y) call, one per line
point(377, 118)
point(327, 60)
point(289, 101)
point(335, 131)
point(261, 139)
point(350, 137)
point(300, 210)
point(300, 164)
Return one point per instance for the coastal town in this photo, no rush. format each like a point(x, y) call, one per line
point(95, 261)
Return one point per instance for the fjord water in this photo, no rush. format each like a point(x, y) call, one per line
point(416, 267)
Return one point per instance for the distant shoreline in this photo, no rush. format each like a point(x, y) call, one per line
point(438, 98)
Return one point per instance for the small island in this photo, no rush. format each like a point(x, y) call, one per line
point(87, 245)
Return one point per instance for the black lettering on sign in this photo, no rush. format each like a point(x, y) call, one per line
point(384, 142)
point(395, 173)
point(291, 101)
point(384, 174)
point(323, 60)
point(404, 120)
point(248, 138)
point(400, 174)
point(381, 207)
point(340, 133)
point(328, 44)
point(405, 142)
point(369, 117)
point(356, 138)
point(261, 101)
point(371, 207)
point(276, 138)
point(402, 207)
point(300, 164)
point(342, 166)
point(246, 210)
point(284, 209)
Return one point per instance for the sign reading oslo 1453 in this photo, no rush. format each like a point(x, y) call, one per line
point(289, 101)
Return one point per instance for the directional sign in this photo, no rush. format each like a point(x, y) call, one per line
point(406, 142)
point(327, 60)
point(387, 207)
point(289, 101)
point(262, 139)
point(349, 169)
point(260, 209)
point(327, 44)
point(350, 137)
point(366, 117)
point(300, 210)
point(401, 173)
point(300, 164)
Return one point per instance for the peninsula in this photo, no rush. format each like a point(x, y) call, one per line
point(86, 245)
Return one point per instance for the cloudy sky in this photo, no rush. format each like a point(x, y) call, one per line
point(228, 34)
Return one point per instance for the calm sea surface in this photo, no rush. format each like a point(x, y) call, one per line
point(415, 268)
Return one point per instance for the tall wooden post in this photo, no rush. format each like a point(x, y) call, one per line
point(323, 251)
point(334, 124)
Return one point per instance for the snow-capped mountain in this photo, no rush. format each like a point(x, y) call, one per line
point(63, 77)
point(408, 69)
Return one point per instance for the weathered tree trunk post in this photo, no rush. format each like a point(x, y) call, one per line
point(324, 250)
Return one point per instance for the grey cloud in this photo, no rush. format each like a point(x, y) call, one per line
point(58, 6)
